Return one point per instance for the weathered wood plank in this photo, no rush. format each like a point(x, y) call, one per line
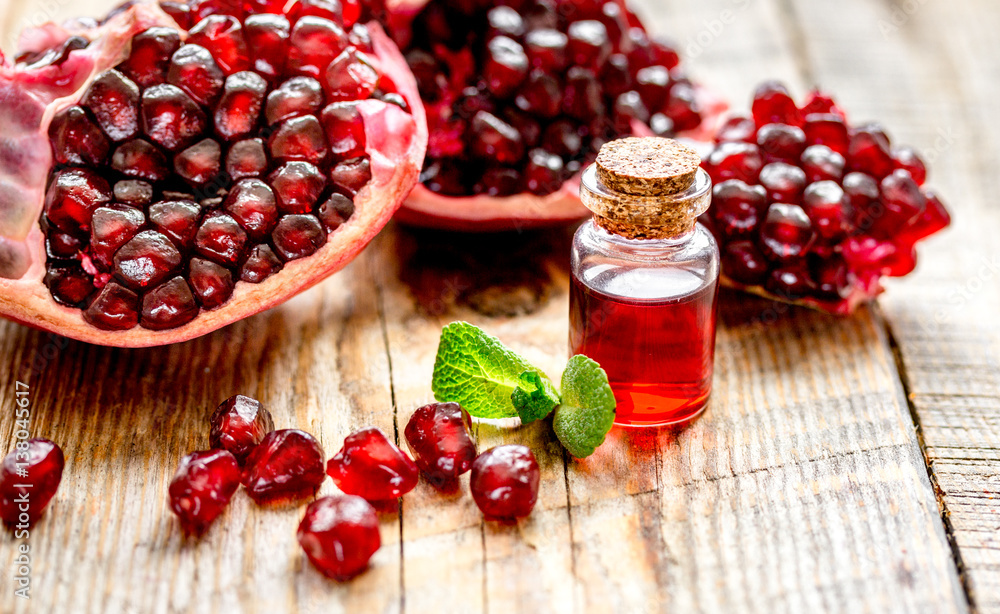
point(922, 66)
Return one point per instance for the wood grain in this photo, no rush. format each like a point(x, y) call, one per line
point(803, 488)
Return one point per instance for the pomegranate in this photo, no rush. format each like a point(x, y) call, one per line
point(202, 487)
point(812, 210)
point(285, 467)
point(520, 95)
point(238, 425)
point(504, 482)
point(180, 167)
point(29, 478)
point(372, 467)
point(438, 437)
point(339, 535)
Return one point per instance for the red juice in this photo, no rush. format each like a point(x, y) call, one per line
point(658, 353)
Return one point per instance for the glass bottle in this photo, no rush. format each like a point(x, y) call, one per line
point(645, 278)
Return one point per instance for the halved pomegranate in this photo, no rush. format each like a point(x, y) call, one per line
point(520, 95)
point(812, 210)
point(180, 167)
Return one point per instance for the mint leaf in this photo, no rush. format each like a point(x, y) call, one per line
point(478, 372)
point(535, 396)
point(588, 407)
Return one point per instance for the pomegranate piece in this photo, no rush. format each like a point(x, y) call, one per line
point(238, 425)
point(438, 437)
point(114, 100)
point(372, 467)
point(29, 476)
point(504, 482)
point(286, 466)
point(846, 207)
point(339, 535)
point(202, 487)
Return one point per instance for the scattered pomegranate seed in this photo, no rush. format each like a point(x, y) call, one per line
point(438, 436)
point(505, 481)
point(287, 465)
point(43, 461)
point(340, 535)
point(238, 424)
point(372, 467)
point(202, 487)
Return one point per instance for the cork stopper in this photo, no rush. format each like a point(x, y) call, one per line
point(646, 188)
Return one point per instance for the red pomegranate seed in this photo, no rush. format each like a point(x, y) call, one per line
point(179, 11)
point(544, 173)
point(178, 220)
point(76, 140)
point(819, 102)
point(738, 207)
point(146, 260)
point(907, 159)
point(295, 97)
point(111, 228)
point(299, 138)
point(744, 263)
point(772, 104)
point(222, 35)
point(220, 238)
point(583, 99)
point(547, 50)
point(616, 75)
point(495, 139)
point(827, 129)
point(628, 108)
point(298, 185)
point(505, 481)
point(169, 305)
point(202, 487)
point(653, 84)
point(335, 212)
point(150, 56)
point(212, 284)
point(737, 128)
point(29, 477)
point(193, 69)
point(260, 264)
point(350, 76)
point(826, 205)
point(438, 436)
point(372, 467)
point(240, 105)
point(786, 233)
point(238, 425)
point(246, 159)
point(73, 195)
point(339, 535)
point(204, 8)
point(134, 193)
point(200, 163)
point(314, 43)
point(350, 176)
point(541, 95)
point(114, 308)
point(327, 9)
point(114, 100)
point(781, 142)
point(934, 218)
point(499, 181)
point(869, 152)
point(298, 236)
point(784, 183)
point(345, 130)
point(683, 107)
point(588, 43)
point(735, 160)
point(171, 118)
point(833, 279)
point(789, 282)
point(506, 66)
point(505, 21)
point(140, 159)
point(903, 201)
point(59, 245)
point(267, 39)
point(69, 284)
point(252, 203)
point(820, 163)
point(287, 465)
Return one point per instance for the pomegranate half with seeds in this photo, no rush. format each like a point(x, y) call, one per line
point(182, 166)
point(813, 210)
point(520, 95)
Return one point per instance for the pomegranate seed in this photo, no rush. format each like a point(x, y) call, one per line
point(140, 159)
point(496, 139)
point(738, 207)
point(204, 8)
point(69, 284)
point(505, 481)
point(829, 130)
point(315, 42)
point(222, 35)
point(735, 160)
point(544, 173)
point(781, 143)
point(907, 159)
point(350, 76)
point(296, 97)
point(744, 263)
point(616, 74)
point(240, 105)
point(193, 69)
point(114, 101)
point(562, 138)
point(934, 218)
point(114, 308)
point(786, 233)
point(72, 197)
point(789, 282)
point(499, 181)
point(43, 463)
point(628, 108)
point(298, 185)
point(59, 245)
point(869, 152)
point(146, 260)
point(772, 104)
point(821, 163)
point(583, 99)
point(260, 264)
point(505, 21)
point(327, 9)
point(179, 11)
point(784, 183)
point(111, 228)
point(267, 38)
point(133, 193)
point(220, 238)
point(506, 66)
point(350, 176)
point(299, 138)
point(298, 236)
point(903, 201)
point(287, 465)
point(238, 424)
point(178, 220)
point(252, 203)
point(150, 56)
point(202, 487)
point(833, 279)
point(819, 102)
point(335, 212)
point(547, 49)
point(372, 467)
point(683, 107)
point(339, 535)
point(826, 205)
point(169, 305)
point(737, 128)
point(211, 283)
point(438, 436)
point(76, 140)
point(170, 117)
point(345, 130)
point(588, 43)
point(653, 84)
point(540, 95)
point(246, 159)
point(200, 163)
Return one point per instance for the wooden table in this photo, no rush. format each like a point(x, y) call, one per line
point(845, 465)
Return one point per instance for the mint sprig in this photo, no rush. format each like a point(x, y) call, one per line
point(490, 381)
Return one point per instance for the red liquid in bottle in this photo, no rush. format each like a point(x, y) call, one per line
point(658, 354)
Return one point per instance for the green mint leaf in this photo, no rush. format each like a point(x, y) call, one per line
point(535, 396)
point(476, 371)
point(588, 407)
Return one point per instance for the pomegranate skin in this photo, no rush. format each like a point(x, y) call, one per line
point(44, 463)
point(395, 141)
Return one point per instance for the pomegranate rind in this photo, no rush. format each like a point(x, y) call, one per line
point(396, 144)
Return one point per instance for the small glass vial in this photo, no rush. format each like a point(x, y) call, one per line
point(645, 277)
